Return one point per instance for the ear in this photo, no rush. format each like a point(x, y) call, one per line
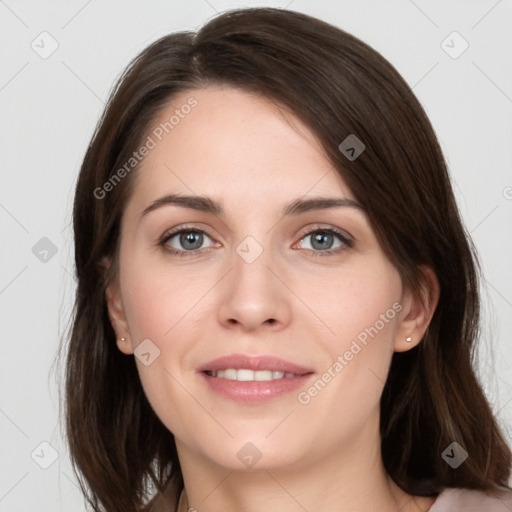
point(417, 311)
point(116, 312)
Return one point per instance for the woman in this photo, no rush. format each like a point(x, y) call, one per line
point(277, 302)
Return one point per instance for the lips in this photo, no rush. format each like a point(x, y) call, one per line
point(253, 379)
point(254, 363)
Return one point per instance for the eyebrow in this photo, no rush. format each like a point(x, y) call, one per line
point(209, 205)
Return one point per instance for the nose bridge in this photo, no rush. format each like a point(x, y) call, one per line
point(251, 275)
point(253, 295)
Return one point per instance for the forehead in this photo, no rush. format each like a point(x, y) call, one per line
point(234, 145)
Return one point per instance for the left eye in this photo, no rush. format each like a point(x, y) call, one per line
point(325, 240)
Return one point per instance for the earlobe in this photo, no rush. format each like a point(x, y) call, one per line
point(125, 346)
point(117, 316)
point(417, 312)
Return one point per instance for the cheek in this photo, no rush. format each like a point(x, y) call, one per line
point(159, 302)
point(360, 303)
point(162, 307)
point(362, 309)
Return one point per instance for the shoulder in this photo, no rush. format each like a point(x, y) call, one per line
point(470, 500)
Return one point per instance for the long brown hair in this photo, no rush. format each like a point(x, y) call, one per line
point(338, 86)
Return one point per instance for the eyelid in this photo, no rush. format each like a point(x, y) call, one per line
point(328, 228)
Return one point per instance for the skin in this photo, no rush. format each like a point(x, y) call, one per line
point(254, 158)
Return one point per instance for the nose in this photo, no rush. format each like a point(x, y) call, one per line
point(254, 295)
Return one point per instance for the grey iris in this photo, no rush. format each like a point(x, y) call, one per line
point(319, 240)
point(191, 237)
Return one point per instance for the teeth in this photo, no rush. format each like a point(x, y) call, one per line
point(244, 375)
point(230, 374)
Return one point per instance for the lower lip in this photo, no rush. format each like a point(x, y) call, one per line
point(255, 392)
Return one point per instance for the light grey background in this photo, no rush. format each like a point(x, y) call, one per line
point(49, 108)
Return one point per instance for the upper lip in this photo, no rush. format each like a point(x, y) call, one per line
point(275, 364)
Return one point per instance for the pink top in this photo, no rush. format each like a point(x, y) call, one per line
point(468, 500)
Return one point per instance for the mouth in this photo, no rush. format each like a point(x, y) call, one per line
point(253, 379)
point(246, 375)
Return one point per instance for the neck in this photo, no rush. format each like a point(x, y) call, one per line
point(352, 478)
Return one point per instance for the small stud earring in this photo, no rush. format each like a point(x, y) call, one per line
point(408, 339)
point(123, 339)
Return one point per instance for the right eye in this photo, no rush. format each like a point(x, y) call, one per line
point(184, 241)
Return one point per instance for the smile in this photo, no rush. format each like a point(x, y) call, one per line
point(253, 379)
point(245, 375)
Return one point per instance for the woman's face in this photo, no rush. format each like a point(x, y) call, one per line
point(299, 322)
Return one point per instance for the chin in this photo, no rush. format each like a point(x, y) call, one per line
point(251, 452)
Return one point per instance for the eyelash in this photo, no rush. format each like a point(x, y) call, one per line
point(348, 243)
